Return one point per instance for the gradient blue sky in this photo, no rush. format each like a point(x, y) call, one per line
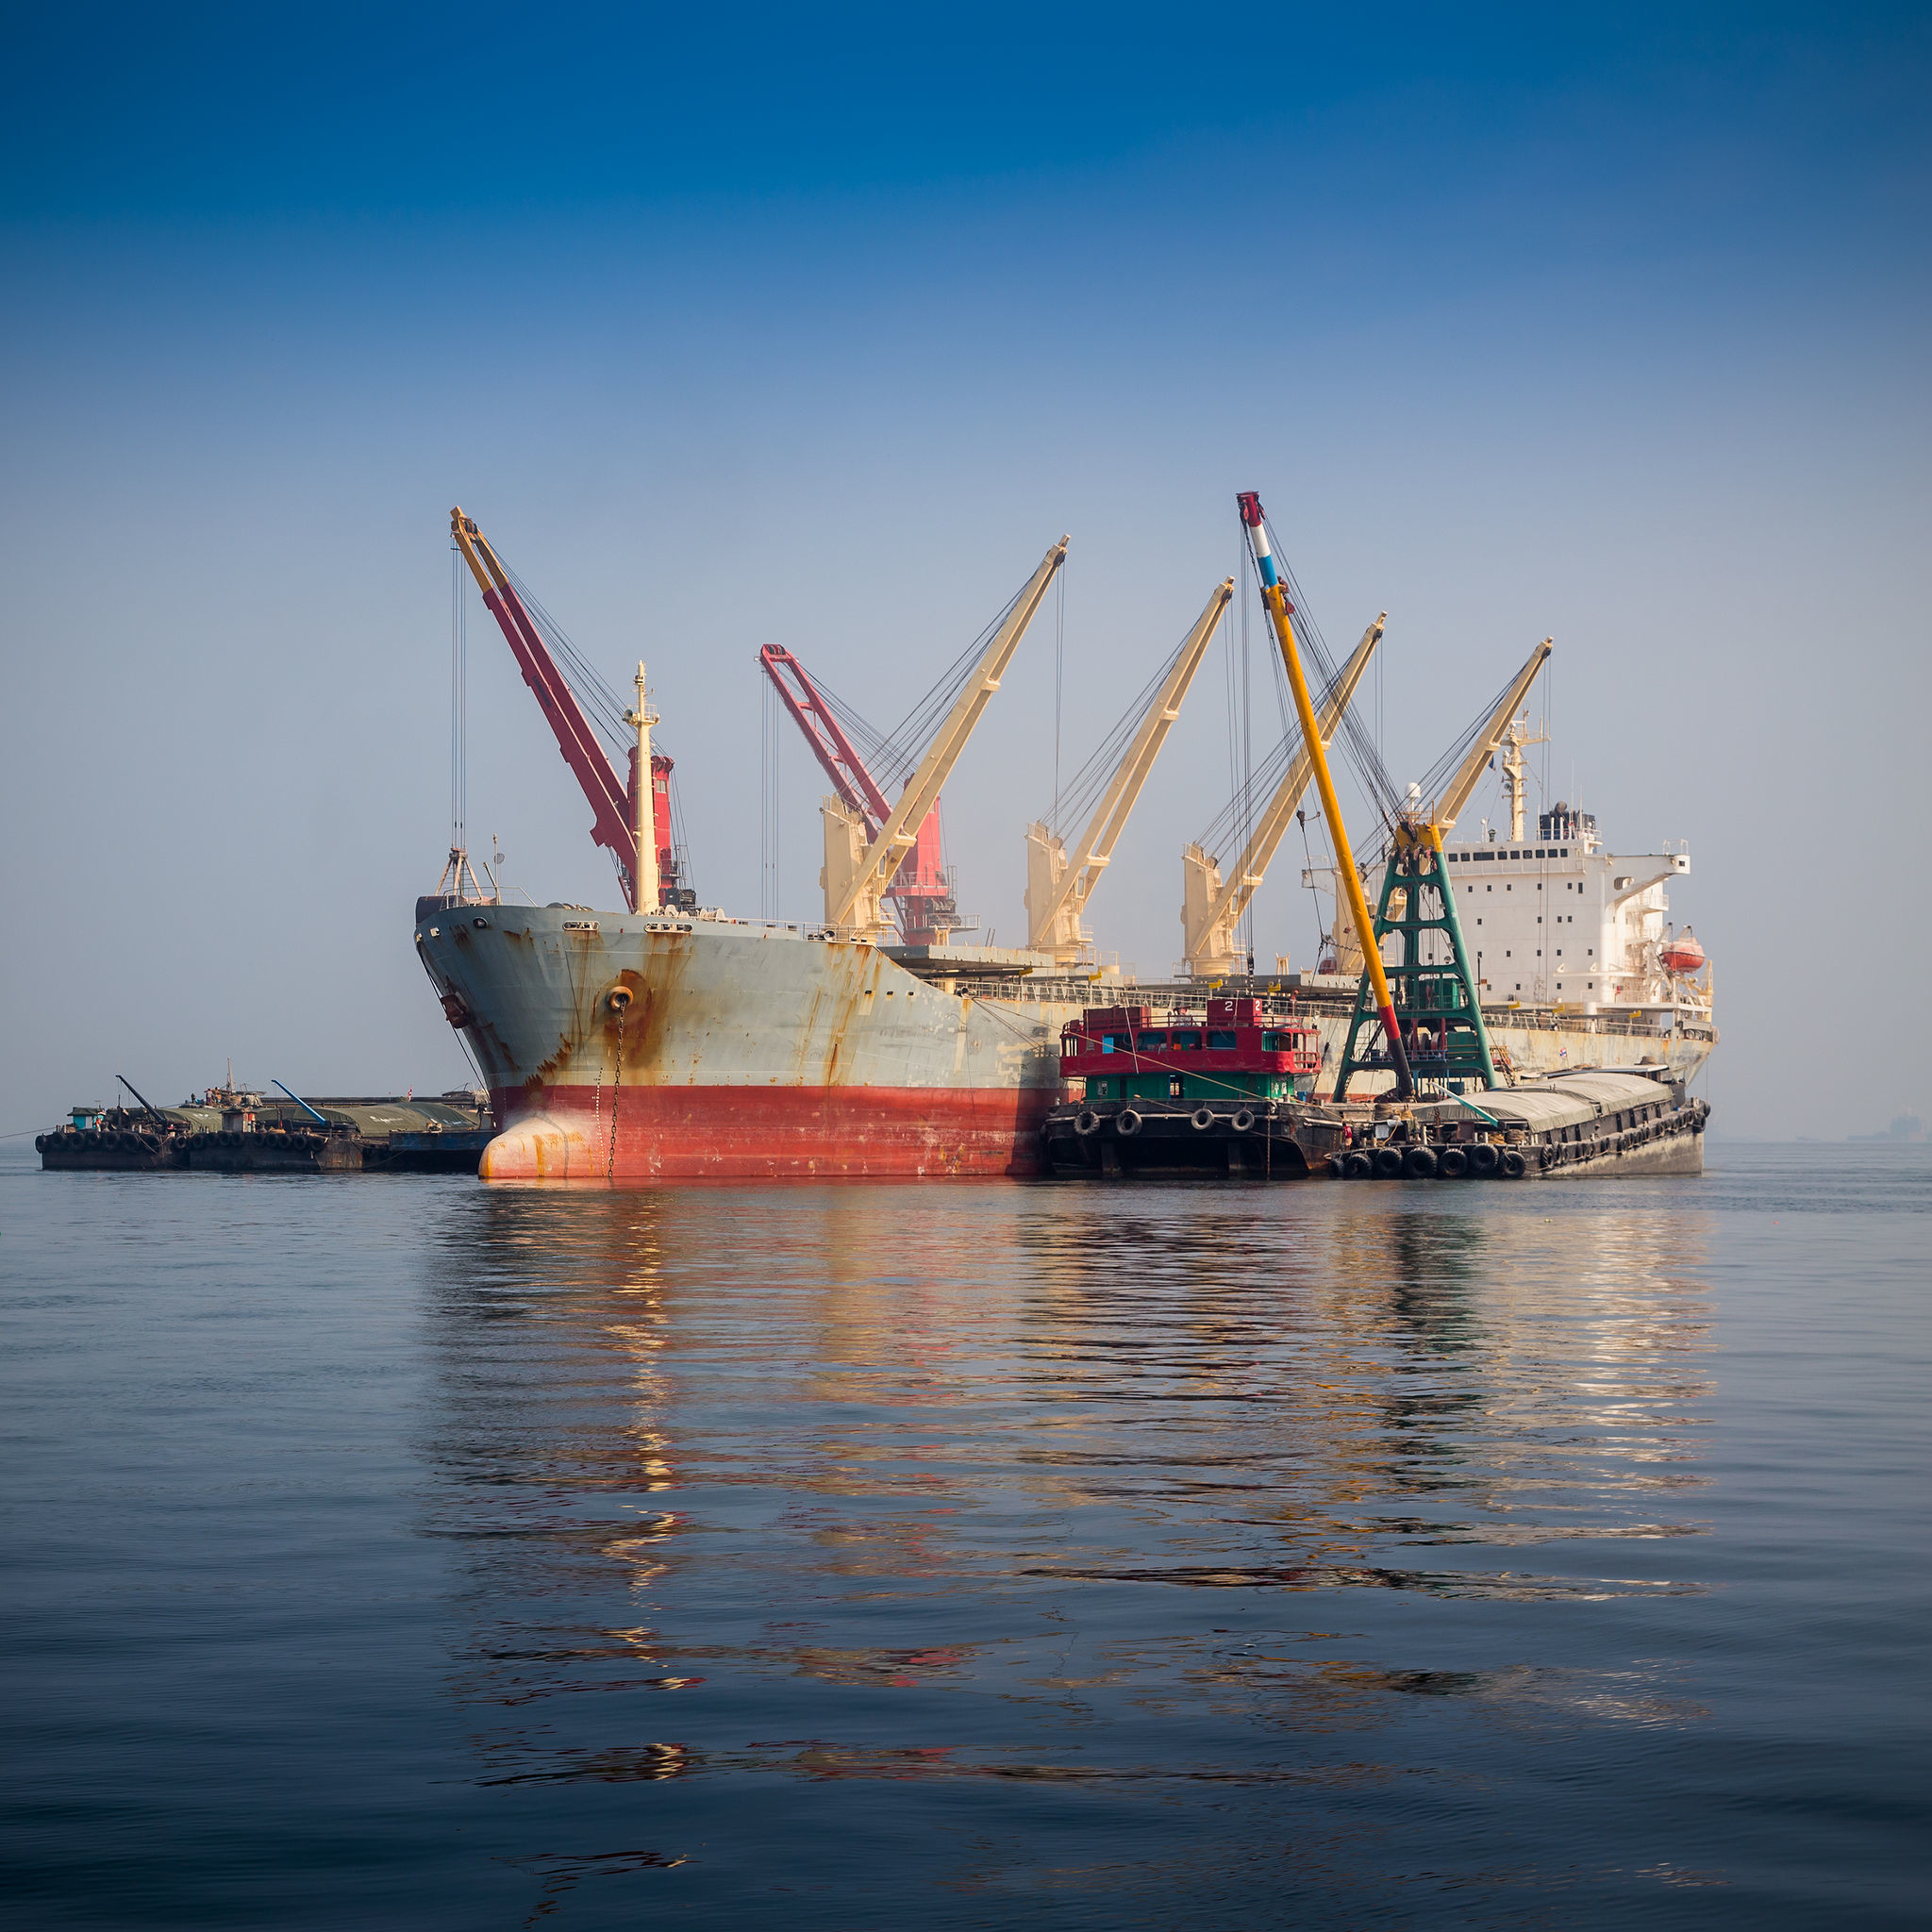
point(816, 328)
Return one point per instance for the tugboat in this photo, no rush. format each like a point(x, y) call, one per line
point(1184, 1091)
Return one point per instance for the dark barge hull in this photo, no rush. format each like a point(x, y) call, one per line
point(1266, 1139)
point(1663, 1135)
point(263, 1151)
point(71, 1150)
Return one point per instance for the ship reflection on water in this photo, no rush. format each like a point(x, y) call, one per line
point(1166, 1542)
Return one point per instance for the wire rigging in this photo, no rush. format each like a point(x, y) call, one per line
point(458, 701)
point(1377, 787)
point(1059, 651)
point(601, 704)
point(1081, 793)
point(893, 757)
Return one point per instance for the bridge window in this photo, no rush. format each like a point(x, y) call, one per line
point(1187, 1042)
point(1223, 1042)
point(1153, 1040)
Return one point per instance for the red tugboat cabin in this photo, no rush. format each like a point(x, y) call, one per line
point(1123, 1053)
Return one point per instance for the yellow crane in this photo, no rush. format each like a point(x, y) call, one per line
point(1057, 885)
point(1445, 809)
point(1210, 910)
point(857, 870)
point(1280, 614)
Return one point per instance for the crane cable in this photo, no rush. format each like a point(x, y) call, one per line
point(602, 707)
point(1082, 791)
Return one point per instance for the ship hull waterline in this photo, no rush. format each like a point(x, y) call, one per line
point(622, 1048)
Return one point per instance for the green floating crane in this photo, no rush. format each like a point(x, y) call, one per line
point(1440, 1040)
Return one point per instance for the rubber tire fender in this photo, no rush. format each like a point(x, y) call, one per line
point(1388, 1163)
point(1243, 1121)
point(1126, 1122)
point(1338, 1167)
point(1452, 1163)
point(1086, 1121)
point(1483, 1158)
point(1514, 1166)
point(1418, 1164)
point(1359, 1167)
point(1201, 1119)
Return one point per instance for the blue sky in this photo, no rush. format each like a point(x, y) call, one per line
point(742, 328)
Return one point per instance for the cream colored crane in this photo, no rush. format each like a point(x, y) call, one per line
point(856, 872)
point(1059, 887)
point(1211, 910)
point(1469, 774)
point(1348, 955)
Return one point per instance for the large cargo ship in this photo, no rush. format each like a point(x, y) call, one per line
point(663, 1040)
point(619, 1045)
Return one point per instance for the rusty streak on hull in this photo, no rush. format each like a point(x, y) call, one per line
point(729, 1049)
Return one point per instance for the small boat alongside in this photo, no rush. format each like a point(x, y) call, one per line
point(1229, 1093)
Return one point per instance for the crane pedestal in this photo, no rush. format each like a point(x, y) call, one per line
point(1431, 983)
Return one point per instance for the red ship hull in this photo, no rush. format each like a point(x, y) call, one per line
point(589, 1136)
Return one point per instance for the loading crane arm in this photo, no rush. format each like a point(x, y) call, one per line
point(1073, 887)
point(1470, 775)
point(1281, 614)
point(837, 757)
point(613, 822)
point(1209, 919)
point(856, 905)
point(1432, 966)
point(148, 1105)
point(920, 891)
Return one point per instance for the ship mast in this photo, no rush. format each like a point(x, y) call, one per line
point(644, 797)
point(1514, 739)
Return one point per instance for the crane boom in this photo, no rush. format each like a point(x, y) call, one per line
point(1058, 894)
point(1466, 780)
point(1210, 916)
point(829, 744)
point(612, 819)
point(852, 903)
point(1281, 613)
point(921, 893)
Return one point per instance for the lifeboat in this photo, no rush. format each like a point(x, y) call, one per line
point(1684, 954)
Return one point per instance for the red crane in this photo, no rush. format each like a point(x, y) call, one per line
point(923, 904)
point(615, 819)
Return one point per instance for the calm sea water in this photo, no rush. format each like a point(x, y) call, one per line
point(396, 1552)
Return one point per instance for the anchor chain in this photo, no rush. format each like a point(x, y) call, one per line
point(617, 1081)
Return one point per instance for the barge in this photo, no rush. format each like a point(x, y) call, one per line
point(230, 1130)
point(1229, 1091)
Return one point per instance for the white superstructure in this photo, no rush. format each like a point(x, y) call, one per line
point(1560, 922)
